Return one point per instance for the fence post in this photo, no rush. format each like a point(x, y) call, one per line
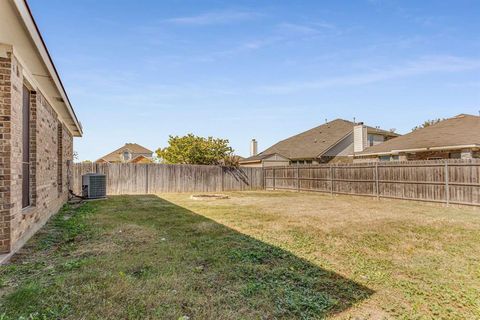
point(146, 179)
point(223, 182)
point(447, 187)
point(273, 173)
point(298, 179)
point(264, 178)
point(331, 179)
point(377, 189)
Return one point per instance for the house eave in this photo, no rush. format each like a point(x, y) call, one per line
point(250, 161)
point(395, 152)
point(27, 17)
point(467, 146)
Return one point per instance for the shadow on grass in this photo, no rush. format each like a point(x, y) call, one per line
point(266, 276)
point(214, 271)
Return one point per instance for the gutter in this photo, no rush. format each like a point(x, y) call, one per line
point(456, 147)
point(395, 152)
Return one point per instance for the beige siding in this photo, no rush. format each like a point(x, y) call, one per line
point(276, 163)
point(360, 138)
point(375, 139)
point(252, 165)
point(342, 149)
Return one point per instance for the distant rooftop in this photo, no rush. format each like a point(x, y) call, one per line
point(461, 130)
point(314, 142)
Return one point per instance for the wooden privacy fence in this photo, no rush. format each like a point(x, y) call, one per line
point(445, 181)
point(129, 178)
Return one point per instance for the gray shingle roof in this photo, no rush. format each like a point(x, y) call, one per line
point(461, 130)
point(312, 143)
point(258, 157)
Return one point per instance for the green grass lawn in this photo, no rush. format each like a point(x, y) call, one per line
point(257, 255)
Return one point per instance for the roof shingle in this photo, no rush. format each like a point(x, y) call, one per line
point(461, 130)
point(314, 142)
point(132, 147)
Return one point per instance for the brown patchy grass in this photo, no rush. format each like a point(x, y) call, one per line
point(257, 255)
point(422, 260)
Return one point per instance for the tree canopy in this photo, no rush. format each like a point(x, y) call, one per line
point(191, 149)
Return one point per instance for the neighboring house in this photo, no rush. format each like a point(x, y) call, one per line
point(37, 126)
point(454, 138)
point(334, 141)
point(129, 153)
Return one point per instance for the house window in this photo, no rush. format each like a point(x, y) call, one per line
point(26, 148)
point(370, 140)
point(126, 156)
point(384, 158)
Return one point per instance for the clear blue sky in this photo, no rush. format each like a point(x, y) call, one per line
point(138, 71)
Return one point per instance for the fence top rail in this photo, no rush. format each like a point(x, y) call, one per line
point(94, 164)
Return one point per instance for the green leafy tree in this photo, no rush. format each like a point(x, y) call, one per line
point(427, 123)
point(191, 149)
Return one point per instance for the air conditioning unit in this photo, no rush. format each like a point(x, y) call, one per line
point(94, 186)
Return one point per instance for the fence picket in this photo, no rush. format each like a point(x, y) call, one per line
point(129, 178)
point(447, 181)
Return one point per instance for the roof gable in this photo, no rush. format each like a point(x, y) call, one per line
point(130, 147)
point(262, 156)
point(141, 159)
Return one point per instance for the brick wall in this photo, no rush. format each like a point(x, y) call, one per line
point(67, 158)
point(16, 147)
point(5, 172)
point(48, 177)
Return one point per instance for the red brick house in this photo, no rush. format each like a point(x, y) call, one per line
point(37, 126)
